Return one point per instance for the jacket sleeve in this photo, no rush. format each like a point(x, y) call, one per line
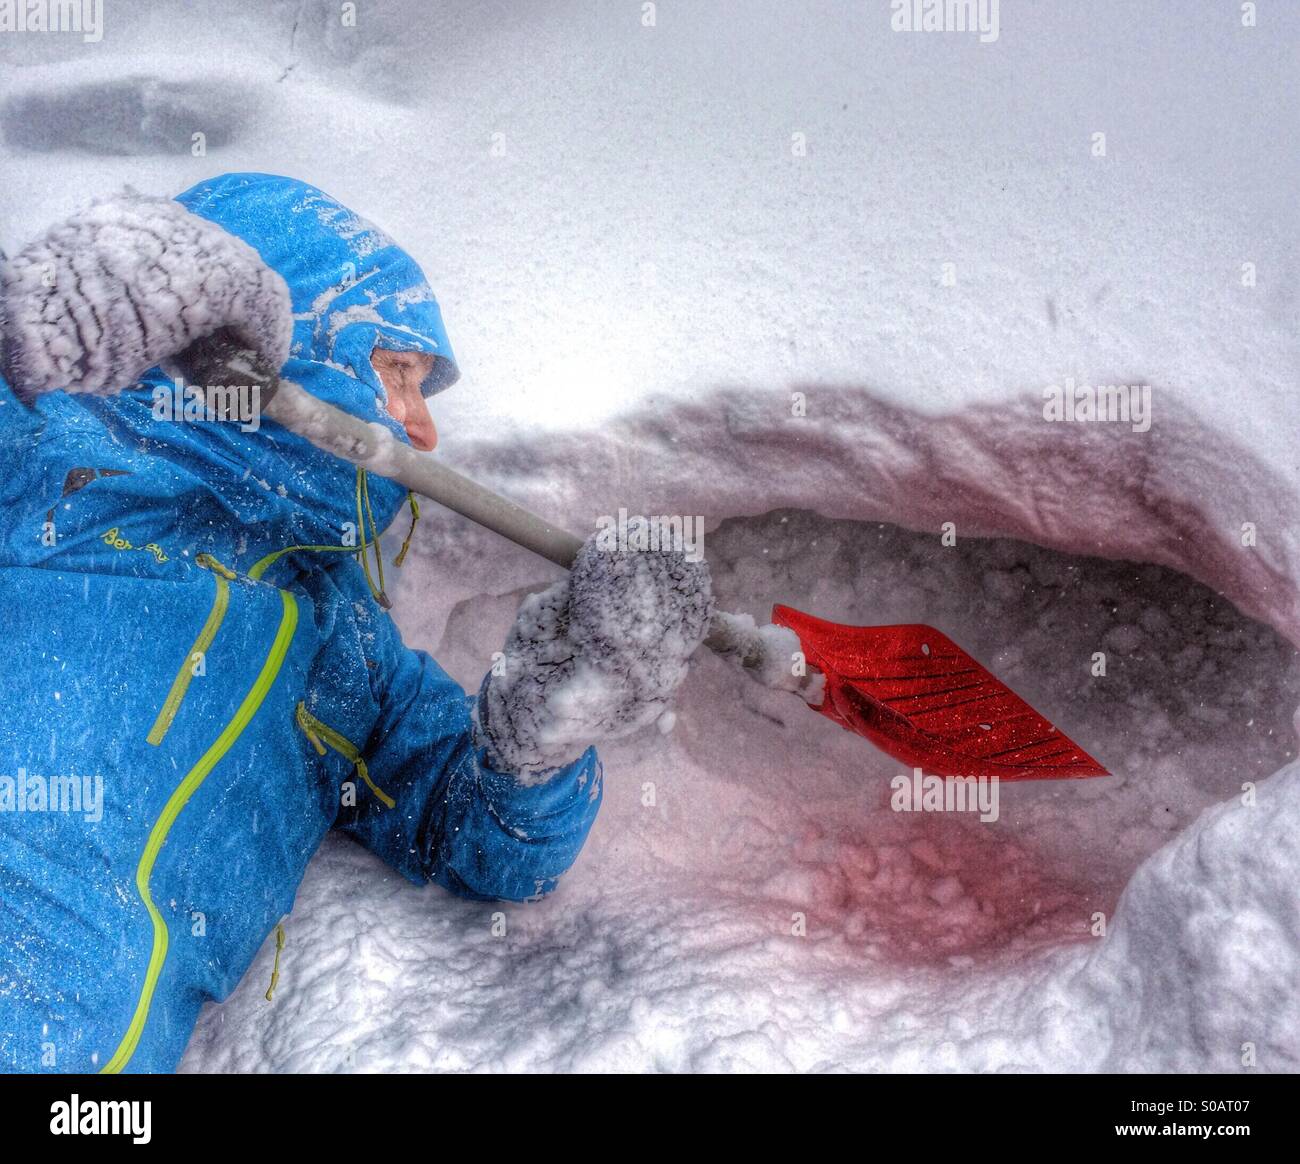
point(480, 833)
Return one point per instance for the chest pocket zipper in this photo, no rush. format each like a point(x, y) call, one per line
point(181, 684)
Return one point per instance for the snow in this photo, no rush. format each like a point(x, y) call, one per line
point(639, 273)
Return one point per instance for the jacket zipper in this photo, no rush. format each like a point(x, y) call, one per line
point(172, 809)
point(181, 684)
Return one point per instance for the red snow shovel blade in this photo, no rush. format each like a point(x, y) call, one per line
point(920, 698)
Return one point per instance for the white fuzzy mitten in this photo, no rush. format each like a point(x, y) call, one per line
point(595, 657)
point(127, 284)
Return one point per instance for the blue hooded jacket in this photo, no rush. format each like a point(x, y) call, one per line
point(191, 702)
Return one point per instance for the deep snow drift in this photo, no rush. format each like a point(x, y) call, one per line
point(638, 271)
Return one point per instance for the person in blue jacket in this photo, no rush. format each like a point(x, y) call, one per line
point(200, 675)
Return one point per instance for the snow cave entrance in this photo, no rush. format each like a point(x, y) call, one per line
point(1196, 700)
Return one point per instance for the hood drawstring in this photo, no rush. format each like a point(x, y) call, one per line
point(365, 517)
point(415, 517)
point(368, 516)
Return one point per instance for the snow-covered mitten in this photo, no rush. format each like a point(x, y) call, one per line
point(126, 284)
point(595, 657)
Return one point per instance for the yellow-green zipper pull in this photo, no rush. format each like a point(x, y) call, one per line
point(305, 720)
point(275, 966)
point(316, 732)
point(208, 562)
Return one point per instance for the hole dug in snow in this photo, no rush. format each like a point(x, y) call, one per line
point(779, 812)
point(1177, 692)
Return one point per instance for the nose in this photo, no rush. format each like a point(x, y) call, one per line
point(420, 427)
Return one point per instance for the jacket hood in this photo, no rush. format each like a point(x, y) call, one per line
point(353, 289)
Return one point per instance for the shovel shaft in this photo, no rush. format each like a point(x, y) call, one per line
point(374, 448)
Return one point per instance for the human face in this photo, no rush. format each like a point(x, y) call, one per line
point(402, 374)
